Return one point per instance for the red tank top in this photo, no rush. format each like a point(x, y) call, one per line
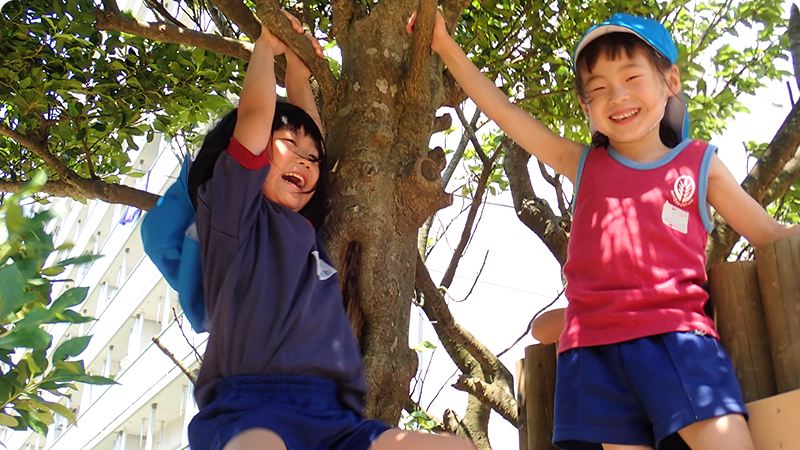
point(636, 255)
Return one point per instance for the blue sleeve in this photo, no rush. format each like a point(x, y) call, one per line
point(174, 253)
point(164, 226)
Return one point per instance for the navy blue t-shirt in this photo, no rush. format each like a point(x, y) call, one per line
point(272, 295)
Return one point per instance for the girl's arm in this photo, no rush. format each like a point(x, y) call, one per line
point(257, 102)
point(740, 210)
point(298, 88)
point(557, 152)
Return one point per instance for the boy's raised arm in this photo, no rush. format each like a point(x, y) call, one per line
point(557, 152)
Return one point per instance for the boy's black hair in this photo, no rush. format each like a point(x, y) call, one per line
point(287, 116)
point(612, 45)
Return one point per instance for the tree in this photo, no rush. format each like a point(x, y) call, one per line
point(82, 80)
point(31, 372)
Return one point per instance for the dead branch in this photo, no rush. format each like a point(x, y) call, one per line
point(237, 12)
point(175, 360)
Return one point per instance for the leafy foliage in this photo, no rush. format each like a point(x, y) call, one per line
point(26, 304)
point(88, 95)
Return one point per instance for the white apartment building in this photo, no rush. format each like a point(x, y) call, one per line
point(153, 403)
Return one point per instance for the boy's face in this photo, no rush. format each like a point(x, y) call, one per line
point(627, 96)
point(295, 169)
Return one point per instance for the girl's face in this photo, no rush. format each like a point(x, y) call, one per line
point(627, 97)
point(295, 169)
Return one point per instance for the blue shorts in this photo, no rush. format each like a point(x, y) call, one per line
point(304, 411)
point(642, 391)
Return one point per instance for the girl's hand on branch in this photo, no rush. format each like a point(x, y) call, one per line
point(298, 27)
point(271, 41)
point(440, 34)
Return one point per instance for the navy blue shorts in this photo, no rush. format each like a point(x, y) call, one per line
point(642, 391)
point(304, 411)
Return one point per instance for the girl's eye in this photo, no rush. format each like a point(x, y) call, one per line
point(291, 141)
point(633, 77)
point(598, 88)
point(313, 158)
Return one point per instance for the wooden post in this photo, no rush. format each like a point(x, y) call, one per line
point(734, 290)
point(540, 391)
point(779, 276)
point(522, 414)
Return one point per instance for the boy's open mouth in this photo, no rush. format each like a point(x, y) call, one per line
point(295, 179)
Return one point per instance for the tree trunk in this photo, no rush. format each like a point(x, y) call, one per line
point(383, 187)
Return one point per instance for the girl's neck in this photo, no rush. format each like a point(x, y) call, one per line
point(646, 150)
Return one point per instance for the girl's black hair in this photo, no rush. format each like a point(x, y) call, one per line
point(287, 116)
point(612, 45)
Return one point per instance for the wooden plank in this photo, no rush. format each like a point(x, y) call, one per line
point(779, 277)
point(540, 391)
point(734, 290)
point(521, 411)
point(774, 422)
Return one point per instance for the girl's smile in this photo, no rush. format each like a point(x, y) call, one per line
point(626, 101)
point(295, 169)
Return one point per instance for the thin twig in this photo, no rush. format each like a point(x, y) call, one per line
point(530, 324)
point(180, 326)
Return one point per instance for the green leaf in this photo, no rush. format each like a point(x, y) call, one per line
point(62, 410)
point(33, 338)
point(8, 421)
point(70, 298)
point(70, 348)
point(424, 346)
point(94, 379)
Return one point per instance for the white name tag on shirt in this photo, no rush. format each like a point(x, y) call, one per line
point(675, 218)
point(324, 270)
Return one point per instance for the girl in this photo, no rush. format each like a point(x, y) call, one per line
point(282, 369)
point(638, 358)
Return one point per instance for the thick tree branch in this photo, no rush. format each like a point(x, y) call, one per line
point(794, 41)
point(343, 15)
point(787, 177)
point(269, 12)
point(39, 150)
point(70, 184)
point(417, 84)
point(533, 211)
point(237, 12)
point(499, 399)
point(113, 21)
point(779, 152)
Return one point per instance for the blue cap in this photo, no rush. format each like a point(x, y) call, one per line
point(647, 30)
point(653, 33)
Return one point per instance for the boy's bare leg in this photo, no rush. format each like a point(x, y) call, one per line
point(725, 432)
point(256, 439)
point(396, 439)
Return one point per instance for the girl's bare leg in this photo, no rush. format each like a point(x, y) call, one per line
point(396, 439)
point(256, 439)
